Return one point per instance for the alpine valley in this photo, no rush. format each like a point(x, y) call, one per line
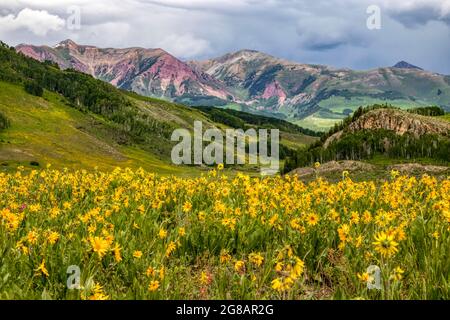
point(227, 182)
point(312, 96)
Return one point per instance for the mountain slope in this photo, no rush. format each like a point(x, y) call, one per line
point(47, 131)
point(69, 119)
point(381, 131)
point(396, 121)
point(314, 92)
point(406, 65)
point(83, 122)
point(312, 96)
point(255, 75)
point(150, 72)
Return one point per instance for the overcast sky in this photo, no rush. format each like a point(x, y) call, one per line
point(331, 32)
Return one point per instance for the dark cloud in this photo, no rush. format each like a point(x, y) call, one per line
point(415, 13)
point(320, 31)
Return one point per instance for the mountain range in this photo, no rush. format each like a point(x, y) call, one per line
point(313, 96)
point(69, 119)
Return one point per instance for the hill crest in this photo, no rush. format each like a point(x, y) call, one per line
point(398, 121)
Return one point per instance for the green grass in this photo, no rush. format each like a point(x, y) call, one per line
point(294, 141)
point(316, 123)
point(233, 106)
point(167, 111)
point(446, 117)
point(47, 131)
point(339, 104)
point(385, 160)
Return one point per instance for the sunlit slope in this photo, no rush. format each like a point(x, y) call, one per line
point(69, 119)
point(46, 131)
point(446, 117)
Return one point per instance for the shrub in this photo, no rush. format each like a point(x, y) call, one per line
point(32, 87)
point(4, 122)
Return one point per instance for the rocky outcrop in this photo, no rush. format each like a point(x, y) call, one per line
point(334, 167)
point(274, 90)
point(398, 121)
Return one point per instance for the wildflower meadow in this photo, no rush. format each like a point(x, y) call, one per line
point(136, 235)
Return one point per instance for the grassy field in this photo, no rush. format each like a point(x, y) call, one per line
point(316, 123)
point(446, 117)
point(339, 104)
point(295, 141)
point(47, 131)
point(385, 161)
point(136, 235)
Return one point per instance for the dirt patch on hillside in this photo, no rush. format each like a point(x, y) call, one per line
point(334, 166)
point(7, 153)
point(416, 167)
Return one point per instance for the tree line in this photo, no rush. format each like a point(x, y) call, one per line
point(432, 111)
point(82, 92)
point(242, 120)
point(365, 144)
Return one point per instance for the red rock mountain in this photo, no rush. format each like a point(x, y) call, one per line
point(150, 72)
point(310, 95)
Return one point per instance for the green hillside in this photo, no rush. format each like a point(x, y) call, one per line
point(46, 131)
point(446, 117)
point(292, 136)
point(69, 119)
point(80, 122)
point(382, 133)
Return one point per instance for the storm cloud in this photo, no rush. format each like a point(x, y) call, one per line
point(320, 32)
